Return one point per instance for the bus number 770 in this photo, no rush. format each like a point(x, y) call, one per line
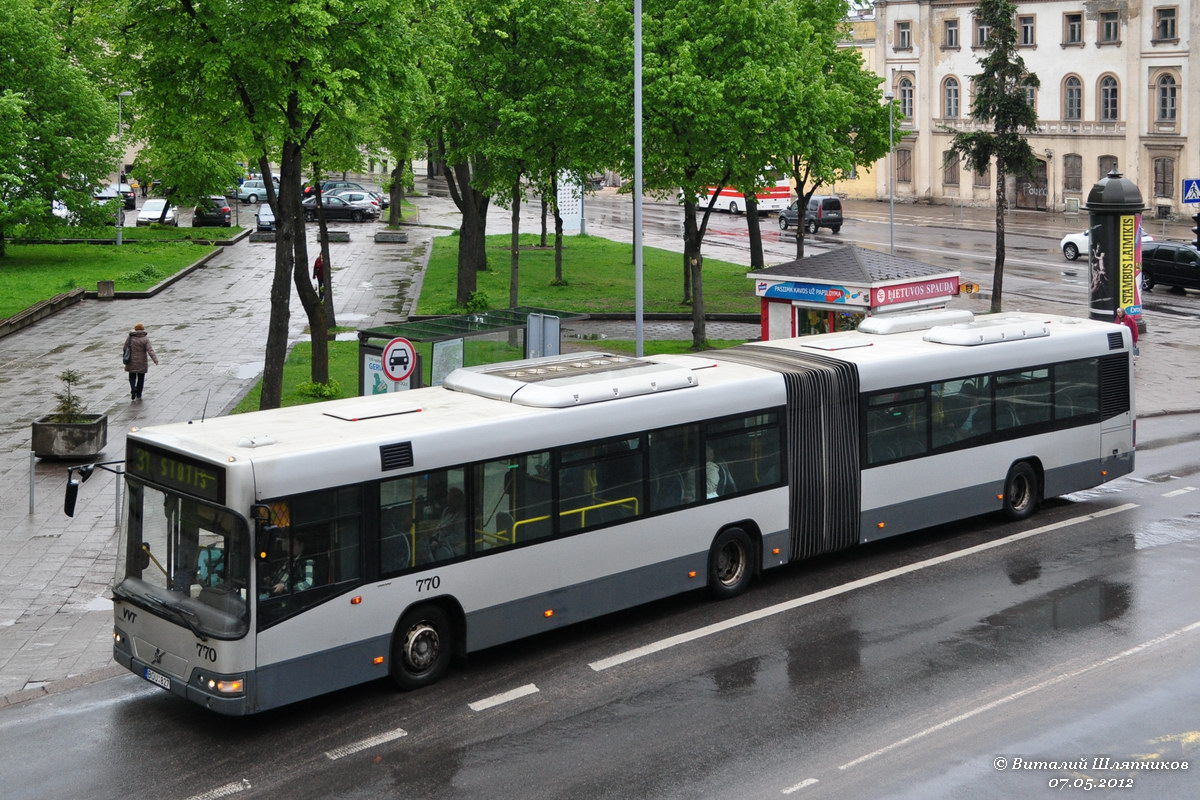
point(425, 584)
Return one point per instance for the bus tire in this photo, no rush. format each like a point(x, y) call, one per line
point(730, 563)
point(422, 646)
point(733, 208)
point(1021, 491)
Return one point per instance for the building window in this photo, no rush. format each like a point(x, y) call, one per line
point(983, 179)
point(904, 35)
point(904, 165)
point(1031, 97)
point(1026, 27)
point(982, 32)
point(906, 98)
point(1073, 173)
point(950, 31)
point(950, 161)
point(1110, 27)
point(1073, 29)
point(1073, 99)
point(1107, 164)
point(950, 99)
point(1164, 24)
point(1108, 99)
point(1164, 177)
point(1166, 99)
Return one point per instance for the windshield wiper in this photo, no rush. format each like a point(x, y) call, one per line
point(184, 614)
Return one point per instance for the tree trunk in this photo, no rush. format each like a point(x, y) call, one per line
point(755, 230)
point(472, 250)
point(514, 255)
point(288, 219)
point(544, 214)
point(317, 312)
point(396, 194)
point(693, 263)
point(998, 273)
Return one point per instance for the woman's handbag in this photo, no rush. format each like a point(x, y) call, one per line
point(127, 353)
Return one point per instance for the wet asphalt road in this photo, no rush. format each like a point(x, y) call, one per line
point(1078, 640)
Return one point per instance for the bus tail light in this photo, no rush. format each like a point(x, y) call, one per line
point(774, 551)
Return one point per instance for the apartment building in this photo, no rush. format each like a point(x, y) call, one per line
point(1113, 95)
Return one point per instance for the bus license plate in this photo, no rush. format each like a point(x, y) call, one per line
point(161, 680)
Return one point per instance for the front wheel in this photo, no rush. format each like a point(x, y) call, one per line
point(733, 208)
point(422, 645)
point(356, 216)
point(1070, 251)
point(252, 198)
point(310, 216)
point(1020, 491)
point(783, 223)
point(1147, 280)
point(730, 563)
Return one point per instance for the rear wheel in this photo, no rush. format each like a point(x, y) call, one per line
point(422, 646)
point(356, 216)
point(1021, 491)
point(1070, 251)
point(730, 563)
point(836, 228)
point(310, 216)
point(1147, 279)
point(733, 208)
point(252, 198)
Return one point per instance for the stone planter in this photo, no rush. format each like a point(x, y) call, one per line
point(338, 236)
point(391, 237)
point(72, 440)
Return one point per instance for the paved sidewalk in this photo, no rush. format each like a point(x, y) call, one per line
point(209, 331)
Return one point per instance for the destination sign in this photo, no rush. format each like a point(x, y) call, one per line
point(174, 471)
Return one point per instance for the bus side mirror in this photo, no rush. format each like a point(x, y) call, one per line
point(72, 495)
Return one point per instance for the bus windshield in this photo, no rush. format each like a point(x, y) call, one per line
point(186, 561)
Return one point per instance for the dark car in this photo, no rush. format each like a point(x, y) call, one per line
point(264, 220)
point(823, 211)
point(121, 190)
point(337, 208)
point(329, 187)
point(211, 212)
point(1170, 264)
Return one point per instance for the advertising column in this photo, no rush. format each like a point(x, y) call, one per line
point(1115, 209)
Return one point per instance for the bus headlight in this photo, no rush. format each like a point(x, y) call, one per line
point(229, 686)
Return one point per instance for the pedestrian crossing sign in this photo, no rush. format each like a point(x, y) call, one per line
point(1191, 191)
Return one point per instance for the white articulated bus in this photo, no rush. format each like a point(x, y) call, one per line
point(273, 556)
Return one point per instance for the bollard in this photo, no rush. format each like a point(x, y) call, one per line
point(104, 290)
point(1115, 207)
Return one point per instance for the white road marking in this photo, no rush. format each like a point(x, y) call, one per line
point(1066, 676)
point(358, 747)
point(503, 697)
point(1178, 492)
point(223, 791)
point(763, 613)
point(802, 784)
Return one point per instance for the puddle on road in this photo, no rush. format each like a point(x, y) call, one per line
point(243, 372)
point(1168, 531)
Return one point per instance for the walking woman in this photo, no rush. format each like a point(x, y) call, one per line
point(140, 354)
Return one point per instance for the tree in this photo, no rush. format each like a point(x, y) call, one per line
point(832, 120)
point(274, 72)
point(1000, 98)
point(56, 126)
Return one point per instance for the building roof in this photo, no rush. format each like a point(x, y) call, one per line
point(853, 265)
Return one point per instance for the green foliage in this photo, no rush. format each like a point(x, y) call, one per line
point(69, 408)
point(479, 302)
point(321, 391)
point(147, 273)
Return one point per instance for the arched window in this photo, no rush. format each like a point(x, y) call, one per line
point(950, 98)
point(1109, 108)
point(1072, 98)
point(1164, 177)
point(906, 98)
point(1166, 93)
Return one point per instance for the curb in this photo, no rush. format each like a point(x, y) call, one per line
point(73, 682)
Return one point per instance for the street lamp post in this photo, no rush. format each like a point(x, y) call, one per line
point(121, 200)
point(891, 176)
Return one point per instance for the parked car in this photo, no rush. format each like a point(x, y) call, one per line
point(264, 220)
point(823, 211)
point(153, 213)
point(331, 187)
point(212, 212)
point(253, 191)
point(122, 190)
point(337, 208)
point(1075, 244)
point(1170, 264)
point(356, 197)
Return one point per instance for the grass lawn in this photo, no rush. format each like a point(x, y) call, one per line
point(343, 367)
point(30, 273)
point(599, 276)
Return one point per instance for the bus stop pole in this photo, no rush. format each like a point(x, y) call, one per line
point(32, 462)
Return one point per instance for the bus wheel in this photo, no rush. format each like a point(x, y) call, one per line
point(729, 564)
point(421, 647)
point(1020, 491)
point(733, 208)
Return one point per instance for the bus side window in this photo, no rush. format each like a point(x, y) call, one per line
point(511, 501)
point(674, 466)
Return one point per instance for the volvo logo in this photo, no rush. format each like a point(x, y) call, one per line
point(158, 654)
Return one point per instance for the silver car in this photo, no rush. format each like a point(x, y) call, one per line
point(253, 191)
point(152, 213)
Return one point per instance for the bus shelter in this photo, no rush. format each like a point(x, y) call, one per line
point(836, 290)
point(439, 345)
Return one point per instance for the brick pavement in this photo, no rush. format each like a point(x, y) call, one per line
point(209, 330)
